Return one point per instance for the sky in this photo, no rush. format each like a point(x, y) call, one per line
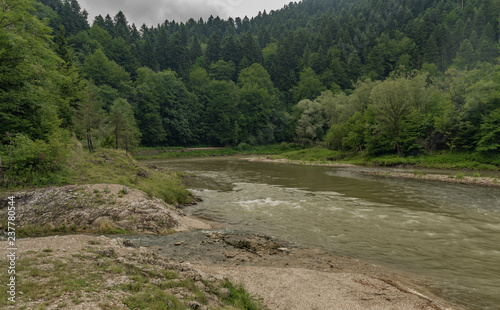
point(153, 12)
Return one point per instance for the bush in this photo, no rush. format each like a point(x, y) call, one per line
point(243, 146)
point(34, 162)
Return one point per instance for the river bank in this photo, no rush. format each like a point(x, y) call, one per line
point(459, 177)
point(82, 271)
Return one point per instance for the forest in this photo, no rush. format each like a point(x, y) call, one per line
point(379, 77)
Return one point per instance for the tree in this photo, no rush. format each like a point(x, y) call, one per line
point(250, 49)
point(218, 121)
point(122, 121)
point(165, 110)
point(213, 52)
point(309, 86)
point(222, 70)
point(90, 114)
point(311, 122)
point(259, 105)
point(489, 133)
point(195, 49)
point(393, 99)
point(30, 73)
point(104, 71)
point(231, 50)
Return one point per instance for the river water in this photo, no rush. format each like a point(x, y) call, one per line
point(448, 234)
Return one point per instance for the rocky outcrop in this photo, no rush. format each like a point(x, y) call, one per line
point(95, 207)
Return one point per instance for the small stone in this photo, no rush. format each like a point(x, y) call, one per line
point(180, 243)
point(129, 244)
point(200, 285)
point(225, 293)
point(196, 305)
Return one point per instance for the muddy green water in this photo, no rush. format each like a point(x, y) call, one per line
point(447, 234)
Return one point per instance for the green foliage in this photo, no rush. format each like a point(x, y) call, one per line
point(240, 298)
point(392, 100)
point(221, 70)
point(103, 71)
point(259, 106)
point(489, 133)
point(219, 120)
point(164, 108)
point(30, 75)
point(29, 162)
point(90, 115)
point(311, 123)
point(123, 125)
point(358, 76)
point(309, 86)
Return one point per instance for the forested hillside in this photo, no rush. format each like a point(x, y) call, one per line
point(405, 77)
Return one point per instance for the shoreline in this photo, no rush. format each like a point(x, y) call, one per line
point(286, 276)
point(417, 175)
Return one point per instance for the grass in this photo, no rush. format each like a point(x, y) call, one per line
point(158, 153)
point(115, 167)
point(112, 166)
point(82, 277)
point(445, 160)
point(240, 298)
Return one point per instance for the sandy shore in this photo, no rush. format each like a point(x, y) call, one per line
point(284, 275)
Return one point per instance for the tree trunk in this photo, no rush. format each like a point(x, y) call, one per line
point(116, 138)
point(1, 172)
point(89, 141)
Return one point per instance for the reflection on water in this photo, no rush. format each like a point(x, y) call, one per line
point(448, 232)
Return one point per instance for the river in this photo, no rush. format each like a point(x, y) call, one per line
point(447, 234)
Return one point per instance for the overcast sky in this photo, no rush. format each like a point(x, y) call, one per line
point(153, 12)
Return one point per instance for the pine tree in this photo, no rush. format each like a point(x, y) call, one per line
point(250, 49)
point(195, 49)
point(213, 52)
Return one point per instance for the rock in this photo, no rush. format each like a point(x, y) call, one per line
point(103, 221)
point(200, 285)
point(196, 305)
point(124, 215)
point(125, 224)
point(107, 252)
point(129, 244)
point(142, 173)
point(224, 293)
